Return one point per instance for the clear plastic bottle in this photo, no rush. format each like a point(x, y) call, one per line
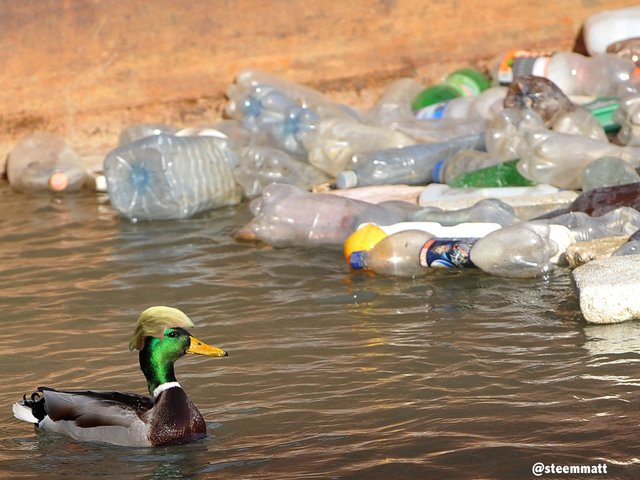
point(466, 160)
point(489, 210)
point(42, 162)
point(628, 116)
point(608, 171)
point(412, 165)
point(335, 141)
point(485, 106)
point(411, 253)
point(622, 221)
point(260, 166)
point(522, 250)
point(285, 216)
point(141, 130)
point(169, 177)
point(600, 75)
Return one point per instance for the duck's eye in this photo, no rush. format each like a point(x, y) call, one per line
point(172, 334)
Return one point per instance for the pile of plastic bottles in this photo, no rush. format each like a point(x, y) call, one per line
point(499, 170)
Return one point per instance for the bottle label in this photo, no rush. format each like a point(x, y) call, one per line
point(431, 112)
point(518, 62)
point(447, 253)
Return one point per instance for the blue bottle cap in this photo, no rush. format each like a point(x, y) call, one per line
point(356, 259)
point(437, 169)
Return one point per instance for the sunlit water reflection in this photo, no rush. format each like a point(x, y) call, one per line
point(330, 374)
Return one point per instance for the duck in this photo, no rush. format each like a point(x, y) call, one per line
point(166, 417)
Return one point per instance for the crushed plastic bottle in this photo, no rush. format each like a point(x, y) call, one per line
point(412, 165)
point(287, 216)
point(466, 160)
point(43, 162)
point(169, 177)
point(462, 82)
point(484, 106)
point(606, 172)
point(628, 116)
point(491, 210)
point(259, 166)
point(622, 221)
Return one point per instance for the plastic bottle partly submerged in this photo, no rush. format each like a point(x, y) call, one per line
point(42, 162)
point(168, 177)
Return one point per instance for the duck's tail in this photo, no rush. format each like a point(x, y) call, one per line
point(30, 409)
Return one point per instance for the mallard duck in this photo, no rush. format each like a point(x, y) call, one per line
point(168, 417)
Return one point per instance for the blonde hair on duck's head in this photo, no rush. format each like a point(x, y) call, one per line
point(154, 321)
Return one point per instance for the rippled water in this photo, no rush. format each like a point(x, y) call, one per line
point(330, 375)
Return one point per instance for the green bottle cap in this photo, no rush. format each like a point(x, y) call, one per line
point(602, 108)
point(469, 81)
point(434, 94)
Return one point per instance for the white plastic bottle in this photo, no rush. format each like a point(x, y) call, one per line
point(168, 177)
point(42, 162)
point(610, 26)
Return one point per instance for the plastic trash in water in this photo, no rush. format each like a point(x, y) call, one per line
point(169, 177)
point(622, 221)
point(412, 165)
point(466, 160)
point(489, 210)
point(606, 172)
point(462, 82)
point(259, 166)
point(43, 162)
point(285, 215)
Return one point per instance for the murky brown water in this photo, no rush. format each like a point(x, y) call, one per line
point(330, 374)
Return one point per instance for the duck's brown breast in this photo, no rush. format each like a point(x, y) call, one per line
point(175, 419)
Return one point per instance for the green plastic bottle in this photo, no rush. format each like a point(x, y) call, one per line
point(501, 175)
point(462, 82)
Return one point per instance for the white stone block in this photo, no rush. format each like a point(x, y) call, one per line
point(609, 289)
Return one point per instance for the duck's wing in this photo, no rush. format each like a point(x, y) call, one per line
point(89, 408)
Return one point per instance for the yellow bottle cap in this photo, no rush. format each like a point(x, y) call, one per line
point(363, 239)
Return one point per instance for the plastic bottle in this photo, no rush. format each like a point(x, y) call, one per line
point(485, 105)
point(42, 162)
point(287, 216)
point(599, 201)
point(335, 141)
point(503, 174)
point(628, 48)
point(169, 177)
point(610, 26)
point(628, 116)
point(410, 253)
point(622, 221)
point(608, 171)
point(438, 230)
point(260, 166)
point(141, 130)
point(412, 165)
point(522, 250)
point(466, 160)
point(600, 75)
point(462, 82)
point(393, 109)
point(489, 210)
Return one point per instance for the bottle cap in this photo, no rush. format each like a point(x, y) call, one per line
point(437, 170)
point(356, 260)
point(58, 181)
point(363, 239)
point(346, 179)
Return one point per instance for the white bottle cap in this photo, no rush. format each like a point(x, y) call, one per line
point(346, 179)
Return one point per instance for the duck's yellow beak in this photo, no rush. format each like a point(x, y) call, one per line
point(198, 347)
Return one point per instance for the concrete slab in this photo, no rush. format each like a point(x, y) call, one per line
point(608, 289)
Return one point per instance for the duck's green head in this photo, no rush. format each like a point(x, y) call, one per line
point(162, 339)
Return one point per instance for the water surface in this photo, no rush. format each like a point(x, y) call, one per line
point(331, 374)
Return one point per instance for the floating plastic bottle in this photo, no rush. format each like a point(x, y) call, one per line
point(522, 250)
point(260, 166)
point(600, 75)
point(606, 172)
point(285, 215)
point(439, 230)
point(503, 174)
point(462, 82)
point(610, 26)
point(363, 239)
point(42, 162)
point(622, 221)
point(412, 165)
point(169, 177)
point(410, 253)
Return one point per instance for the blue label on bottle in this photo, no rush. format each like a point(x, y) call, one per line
point(447, 253)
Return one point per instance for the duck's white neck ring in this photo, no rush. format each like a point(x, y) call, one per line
point(165, 386)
